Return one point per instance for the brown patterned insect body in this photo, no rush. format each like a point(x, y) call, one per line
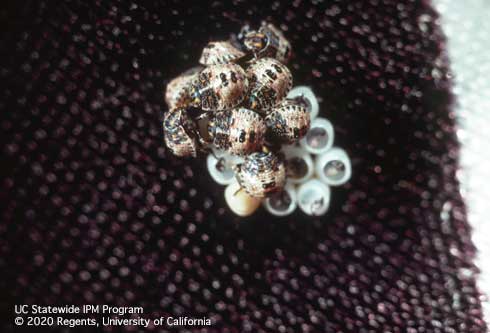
point(180, 133)
point(288, 122)
point(216, 53)
point(238, 131)
point(176, 93)
point(269, 41)
point(219, 87)
point(261, 173)
point(270, 81)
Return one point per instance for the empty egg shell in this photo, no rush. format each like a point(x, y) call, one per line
point(333, 167)
point(313, 197)
point(319, 137)
point(281, 203)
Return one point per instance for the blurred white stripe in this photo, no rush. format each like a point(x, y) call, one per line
point(467, 27)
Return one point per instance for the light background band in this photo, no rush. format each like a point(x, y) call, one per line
point(467, 27)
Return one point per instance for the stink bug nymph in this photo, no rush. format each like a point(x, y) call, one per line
point(219, 87)
point(238, 131)
point(176, 93)
point(270, 81)
point(180, 133)
point(261, 173)
point(216, 53)
point(288, 122)
point(268, 42)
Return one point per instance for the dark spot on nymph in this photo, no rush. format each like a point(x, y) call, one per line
point(277, 68)
point(271, 74)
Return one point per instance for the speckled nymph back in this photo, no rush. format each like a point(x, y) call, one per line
point(219, 53)
point(177, 92)
point(261, 173)
point(288, 122)
point(238, 131)
point(220, 87)
point(180, 133)
point(270, 81)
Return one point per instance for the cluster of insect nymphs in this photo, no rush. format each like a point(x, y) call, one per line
point(263, 138)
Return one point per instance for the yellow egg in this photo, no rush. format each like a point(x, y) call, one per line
point(239, 201)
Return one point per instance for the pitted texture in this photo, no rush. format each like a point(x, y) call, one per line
point(96, 210)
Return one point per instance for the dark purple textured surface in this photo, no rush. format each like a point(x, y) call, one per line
point(97, 211)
